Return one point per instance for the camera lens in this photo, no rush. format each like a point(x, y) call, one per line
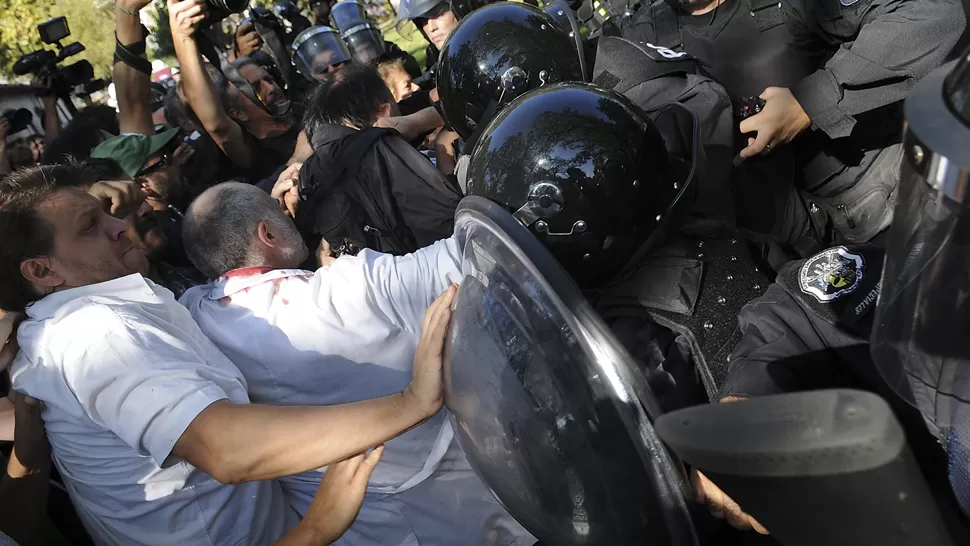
point(232, 6)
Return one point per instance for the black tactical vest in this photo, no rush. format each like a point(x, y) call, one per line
point(696, 288)
point(753, 50)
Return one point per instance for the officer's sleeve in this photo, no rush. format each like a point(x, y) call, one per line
point(780, 350)
point(886, 46)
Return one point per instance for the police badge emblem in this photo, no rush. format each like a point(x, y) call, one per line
point(831, 274)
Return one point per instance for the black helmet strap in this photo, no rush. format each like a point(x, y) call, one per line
point(490, 110)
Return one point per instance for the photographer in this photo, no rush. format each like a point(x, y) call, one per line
point(250, 136)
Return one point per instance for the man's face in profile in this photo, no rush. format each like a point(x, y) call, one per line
point(264, 85)
point(90, 246)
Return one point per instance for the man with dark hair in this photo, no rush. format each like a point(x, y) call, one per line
point(130, 383)
point(366, 187)
point(253, 138)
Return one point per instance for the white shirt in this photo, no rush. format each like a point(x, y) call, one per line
point(122, 370)
point(347, 332)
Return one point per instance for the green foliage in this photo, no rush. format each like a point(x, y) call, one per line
point(161, 45)
point(90, 21)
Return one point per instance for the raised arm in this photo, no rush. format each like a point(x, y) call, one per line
point(185, 18)
point(886, 47)
point(132, 86)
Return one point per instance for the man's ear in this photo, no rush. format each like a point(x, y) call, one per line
point(267, 235)
point(385, 110)
point(38, 271)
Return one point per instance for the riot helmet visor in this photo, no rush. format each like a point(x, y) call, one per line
point(921, 337)
point(318, 51)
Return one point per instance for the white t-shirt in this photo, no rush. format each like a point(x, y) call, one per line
point(347, 332)
point(122, 370)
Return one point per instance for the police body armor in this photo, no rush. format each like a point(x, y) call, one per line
point(696, 287)
point(755, 49)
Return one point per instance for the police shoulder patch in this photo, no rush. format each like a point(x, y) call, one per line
point(831, 274)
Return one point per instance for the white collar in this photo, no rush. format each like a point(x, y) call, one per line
point(132, 287)
point(238, 280)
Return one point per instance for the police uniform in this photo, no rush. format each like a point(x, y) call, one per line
point(892, 321)
point(848, 63)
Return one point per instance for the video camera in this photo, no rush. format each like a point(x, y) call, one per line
point(43, 63)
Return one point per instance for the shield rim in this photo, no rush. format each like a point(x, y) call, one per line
point(628, 390)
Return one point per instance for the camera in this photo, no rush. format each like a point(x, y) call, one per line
point(44, 63)
point(17, 120)
point(220, 9)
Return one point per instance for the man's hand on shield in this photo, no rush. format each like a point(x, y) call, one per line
point(427, 384)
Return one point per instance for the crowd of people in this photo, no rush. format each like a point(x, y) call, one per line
point(226, 309)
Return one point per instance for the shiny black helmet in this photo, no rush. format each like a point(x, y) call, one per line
point(584, 169)
point(496, 54)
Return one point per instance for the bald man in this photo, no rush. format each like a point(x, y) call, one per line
point(343, 333)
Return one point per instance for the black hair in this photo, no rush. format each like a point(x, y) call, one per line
point(83, 134)
point(351, 96)
point(25, 233)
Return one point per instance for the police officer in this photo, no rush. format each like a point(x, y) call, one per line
point(830, 75)
point(434, 19)
point(318, 51)
point(811, 328)
point(593, 179)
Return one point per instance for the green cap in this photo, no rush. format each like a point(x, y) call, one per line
point(131, 151)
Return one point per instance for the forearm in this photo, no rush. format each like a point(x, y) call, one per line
point(305, 534)
point(6, 420)
point(240, 443)
point(4, 162)
point(424, 121)
point(52, 123)
point(23, 494)
point(132, 87)
point(898, 42)
point(204, 100)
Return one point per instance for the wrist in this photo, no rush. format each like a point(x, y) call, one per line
point(412, 403)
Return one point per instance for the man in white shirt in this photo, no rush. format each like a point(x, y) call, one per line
point(343, 333)
point(149, 423)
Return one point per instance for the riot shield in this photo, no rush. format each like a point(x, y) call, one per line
point(551, 412)
point(363, 38)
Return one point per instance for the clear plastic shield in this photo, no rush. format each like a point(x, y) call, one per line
point(551, 412)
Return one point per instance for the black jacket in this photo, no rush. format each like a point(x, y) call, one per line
point(371, 189)
point(792, 342)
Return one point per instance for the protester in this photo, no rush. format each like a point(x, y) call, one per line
point(24, 487)
point(397, 79)
point(344, 333)
point(401, 201)
point(128, 380)
point(253, 138)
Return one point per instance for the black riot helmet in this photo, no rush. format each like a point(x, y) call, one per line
point(318, 51)
point(363, 38)
point(496, 54)
point(584, 169)
point(919, 339)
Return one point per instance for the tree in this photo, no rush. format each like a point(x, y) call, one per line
point(161, 45)
point(18, 30)
point(89, 20)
